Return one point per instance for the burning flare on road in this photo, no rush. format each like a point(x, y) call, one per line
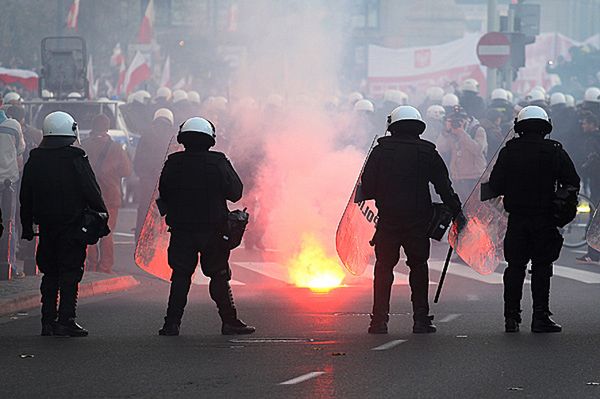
point(312, 268)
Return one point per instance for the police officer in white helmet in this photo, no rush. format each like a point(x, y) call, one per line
point(194, 187)
point(60, 194)
point(539, 183)
point(397, 176)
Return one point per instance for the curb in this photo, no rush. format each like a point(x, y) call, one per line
point(86, 290)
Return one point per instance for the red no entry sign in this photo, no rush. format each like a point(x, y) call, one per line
point(493, 49)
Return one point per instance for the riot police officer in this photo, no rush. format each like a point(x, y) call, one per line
point(527, 173)
point(58, 186)
point(397, 176)
point(194, 186)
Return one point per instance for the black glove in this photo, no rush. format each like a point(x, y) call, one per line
point(27, 233)
point(461, 221)
point(1, 229)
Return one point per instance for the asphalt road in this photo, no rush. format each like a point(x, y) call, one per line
point(311, 345)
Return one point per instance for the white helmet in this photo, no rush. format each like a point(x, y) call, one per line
point(405, 113)
point(141, 96)
point(219, 103)
point(540, 88)
point(198, 125)
point(395, 96)
point(179, 95)
point(450, 100)
point(435, 93)
point(163, 92)
point(74, 94)
point(509, 96)
point(193, 97)
point(570, 101)
point(164, 113)
point(557, 98)
point(47, 94)
point(470, 85)
point(436, 112)
point(11, 96)
point(364, 105)
point(59, 124)
point(535, 95)
point(532, 112)
point(592, 94)
point(499, 94)
point(354, 97)
point(275, 101)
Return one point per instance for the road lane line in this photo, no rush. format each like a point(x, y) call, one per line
point(302, 378)
point(123, 234)
point(576, 274)
point(449, 318)
point(389, 345)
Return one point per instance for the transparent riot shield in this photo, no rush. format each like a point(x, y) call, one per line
point(480, 242)
point(593, 234)
point(356, 229)
point(151, 248)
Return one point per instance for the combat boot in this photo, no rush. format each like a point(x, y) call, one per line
point(236, 327)
point(69, 328)
point(48, 328)
point(169, 329)
point(511, 325)
point(378, 327)
point(542, 323)
point(424, 325)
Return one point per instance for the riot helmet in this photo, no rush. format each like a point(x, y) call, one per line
point(405, 118)
point(533, 119)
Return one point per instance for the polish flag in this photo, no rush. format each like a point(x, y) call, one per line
point(90, 78)
point(122, 73)
point(165, 78)
point(146, 29)
point(138, 72)
point(117, 58)
point(73, 15)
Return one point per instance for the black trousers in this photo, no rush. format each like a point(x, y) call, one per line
point(387, 252)
point(184, 247)
point(61, 258)
point(535, 239)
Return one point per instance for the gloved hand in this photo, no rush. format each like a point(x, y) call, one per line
point(461, 221)
point(1, 229)
point(27, 233)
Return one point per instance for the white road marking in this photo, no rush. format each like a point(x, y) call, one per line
point(576, 274)
point(123, 234)
point(123, 242)
point(270, 269)
point(389, 345)
point(460, 270)
point(302, 378)
point(449, 318)
point(200, 279)
point(579, 251)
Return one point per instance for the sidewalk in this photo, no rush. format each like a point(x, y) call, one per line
point(24, 293)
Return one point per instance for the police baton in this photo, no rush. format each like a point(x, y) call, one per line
point(443, 276)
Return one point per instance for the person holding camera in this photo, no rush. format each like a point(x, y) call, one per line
point(194, 186)
point(539, 183)
point(58, 189)
point(466, 144)
point(397, 176)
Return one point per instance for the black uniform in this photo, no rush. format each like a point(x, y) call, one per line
point(397, 175)
point(194, 186)
point(526, 173)
point(57, 185)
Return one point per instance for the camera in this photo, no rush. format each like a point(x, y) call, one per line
point(456, 123)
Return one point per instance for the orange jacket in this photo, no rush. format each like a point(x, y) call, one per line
point(109, 172)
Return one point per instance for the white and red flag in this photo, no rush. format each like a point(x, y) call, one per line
point(73, 15)
point(117, 58)
point(147, 28)
point(165, 77)
point(138, 72)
